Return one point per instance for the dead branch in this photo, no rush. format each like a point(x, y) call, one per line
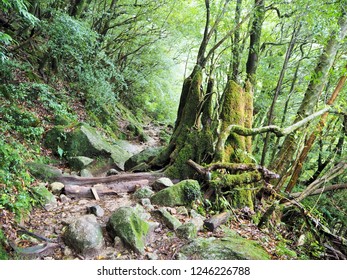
point(233, 168)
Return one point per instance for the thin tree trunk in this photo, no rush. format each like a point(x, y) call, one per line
point(308, 144)
point(278, 89)
point(320, 75)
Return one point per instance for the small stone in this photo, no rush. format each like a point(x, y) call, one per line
point(118, 244)
point(64, 198)
point(82, 201)
point(187, 231)
point(152, 256)
point(162, 183)
point(96, 210)
point(56, 187)
point(67, 251)
point(112, 171)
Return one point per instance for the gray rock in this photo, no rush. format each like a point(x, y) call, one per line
point(79, 162)
point(162, 183)
point(96, 210)
point(46, 197)
point(180, 194)
point(56, 187)
point(126, 223)
point(170, 221)
point(144, 192)
point(84, 235)
point(187, 231)
point(84, 140)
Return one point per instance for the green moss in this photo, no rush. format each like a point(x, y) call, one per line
point(242, 198)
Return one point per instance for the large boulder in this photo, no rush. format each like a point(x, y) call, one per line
point(84, 140)
point(126, 223)
point(180, 194)
point(84, 235)
point(232, 247)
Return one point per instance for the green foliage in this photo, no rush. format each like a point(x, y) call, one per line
point(15, 180)
point(3, 253)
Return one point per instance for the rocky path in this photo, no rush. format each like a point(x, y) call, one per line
point(170, 227)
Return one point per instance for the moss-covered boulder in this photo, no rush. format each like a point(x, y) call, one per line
point(126, 223)
point(180, 194)
point(232, 247)
point(84, 235)
point(83, 140)
point(43, 172)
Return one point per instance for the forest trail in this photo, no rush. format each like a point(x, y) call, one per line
point(162, 242)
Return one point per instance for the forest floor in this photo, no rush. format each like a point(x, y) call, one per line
point(163, 244)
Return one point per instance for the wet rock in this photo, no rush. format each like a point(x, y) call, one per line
point(56, 187)
point(84, 235)
point(170, 221)
point(96, 210)
point(126, 223)
point(161, 184)
point(144, 192)
point(187, 231)
point(180, 194)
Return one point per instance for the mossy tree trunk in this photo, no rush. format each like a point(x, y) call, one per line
point(195, 136)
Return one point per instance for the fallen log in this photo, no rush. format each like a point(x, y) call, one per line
point(114, 179)
point(103, 189)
